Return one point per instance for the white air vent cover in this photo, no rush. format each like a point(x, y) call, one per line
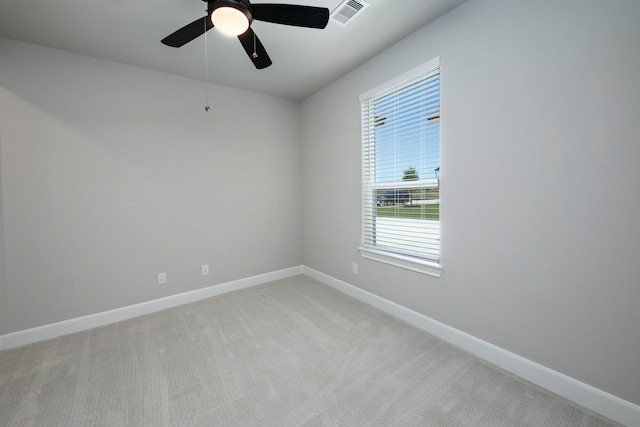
point(347, 10)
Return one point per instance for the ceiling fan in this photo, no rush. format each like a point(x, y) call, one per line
point(234, 17)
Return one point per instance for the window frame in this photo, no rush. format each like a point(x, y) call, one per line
point(381, 254)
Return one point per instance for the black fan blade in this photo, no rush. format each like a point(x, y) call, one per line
point(291, 14)
point(254, 49)
point(187, 33)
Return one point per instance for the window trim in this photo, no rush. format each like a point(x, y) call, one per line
point(407, 262)
point(420, 265)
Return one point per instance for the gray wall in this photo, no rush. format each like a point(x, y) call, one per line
point(540, 182)
point(112, 174)
point(3, 276)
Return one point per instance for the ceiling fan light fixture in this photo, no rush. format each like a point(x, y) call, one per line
point(230, 20)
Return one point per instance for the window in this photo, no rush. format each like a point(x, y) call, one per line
point(401, 166)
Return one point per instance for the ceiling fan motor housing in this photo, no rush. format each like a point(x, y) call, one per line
point(242, 5)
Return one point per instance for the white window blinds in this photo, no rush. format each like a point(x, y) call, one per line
point(401, 164)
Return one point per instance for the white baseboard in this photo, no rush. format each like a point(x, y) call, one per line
point(583, 394)
point(54, 330)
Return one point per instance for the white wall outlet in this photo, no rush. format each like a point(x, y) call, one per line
point(354, 268)
point(205, 269)
point(162, 278)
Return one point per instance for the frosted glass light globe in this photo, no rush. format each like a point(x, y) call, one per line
point(229, 21)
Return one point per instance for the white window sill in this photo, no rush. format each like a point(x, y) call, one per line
point(410, 263)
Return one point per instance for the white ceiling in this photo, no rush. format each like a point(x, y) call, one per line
point(304, 60)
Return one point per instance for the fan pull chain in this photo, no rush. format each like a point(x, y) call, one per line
point(206, 66)
point(254, 55)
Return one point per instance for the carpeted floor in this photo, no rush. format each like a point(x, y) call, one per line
point(289, 353)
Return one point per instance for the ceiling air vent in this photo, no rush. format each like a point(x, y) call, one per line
point(348, 10)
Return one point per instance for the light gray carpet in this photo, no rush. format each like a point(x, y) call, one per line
point(288, 353)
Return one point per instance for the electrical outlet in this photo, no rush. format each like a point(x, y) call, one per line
point(205, 269)
point(162, 278)
point(354, 268)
